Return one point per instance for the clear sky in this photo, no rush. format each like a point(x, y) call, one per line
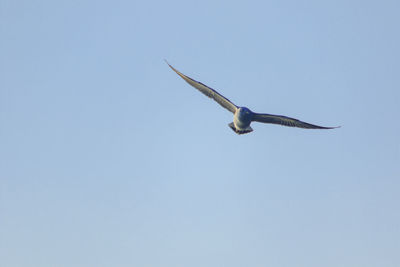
point(108, 158)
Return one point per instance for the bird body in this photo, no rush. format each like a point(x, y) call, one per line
point(241, 121)
point(243, 116)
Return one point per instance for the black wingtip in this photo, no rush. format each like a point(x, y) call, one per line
point(171, 66)
point(331, 127)
point(167, 63)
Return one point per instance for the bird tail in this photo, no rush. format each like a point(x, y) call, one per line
point(245, 131)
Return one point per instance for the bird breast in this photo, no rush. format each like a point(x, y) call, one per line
point(241, 120)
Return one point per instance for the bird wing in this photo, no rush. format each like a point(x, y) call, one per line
point(286, 121)
point(211, 93)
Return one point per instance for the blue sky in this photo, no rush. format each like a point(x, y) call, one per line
point(108, 158)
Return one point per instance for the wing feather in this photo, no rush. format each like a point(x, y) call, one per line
point(211, 93)
point(286, 121)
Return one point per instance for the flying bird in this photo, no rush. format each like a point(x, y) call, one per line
point(243, 116)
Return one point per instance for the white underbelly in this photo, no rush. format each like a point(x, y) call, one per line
point(240, 124)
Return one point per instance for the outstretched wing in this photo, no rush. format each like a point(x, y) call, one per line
point(220, 99)
point(286, 121)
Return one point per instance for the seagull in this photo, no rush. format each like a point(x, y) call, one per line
point(243, 116)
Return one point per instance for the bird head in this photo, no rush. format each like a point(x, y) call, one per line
point(244, 110)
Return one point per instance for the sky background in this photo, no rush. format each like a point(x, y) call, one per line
point(108, 158)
